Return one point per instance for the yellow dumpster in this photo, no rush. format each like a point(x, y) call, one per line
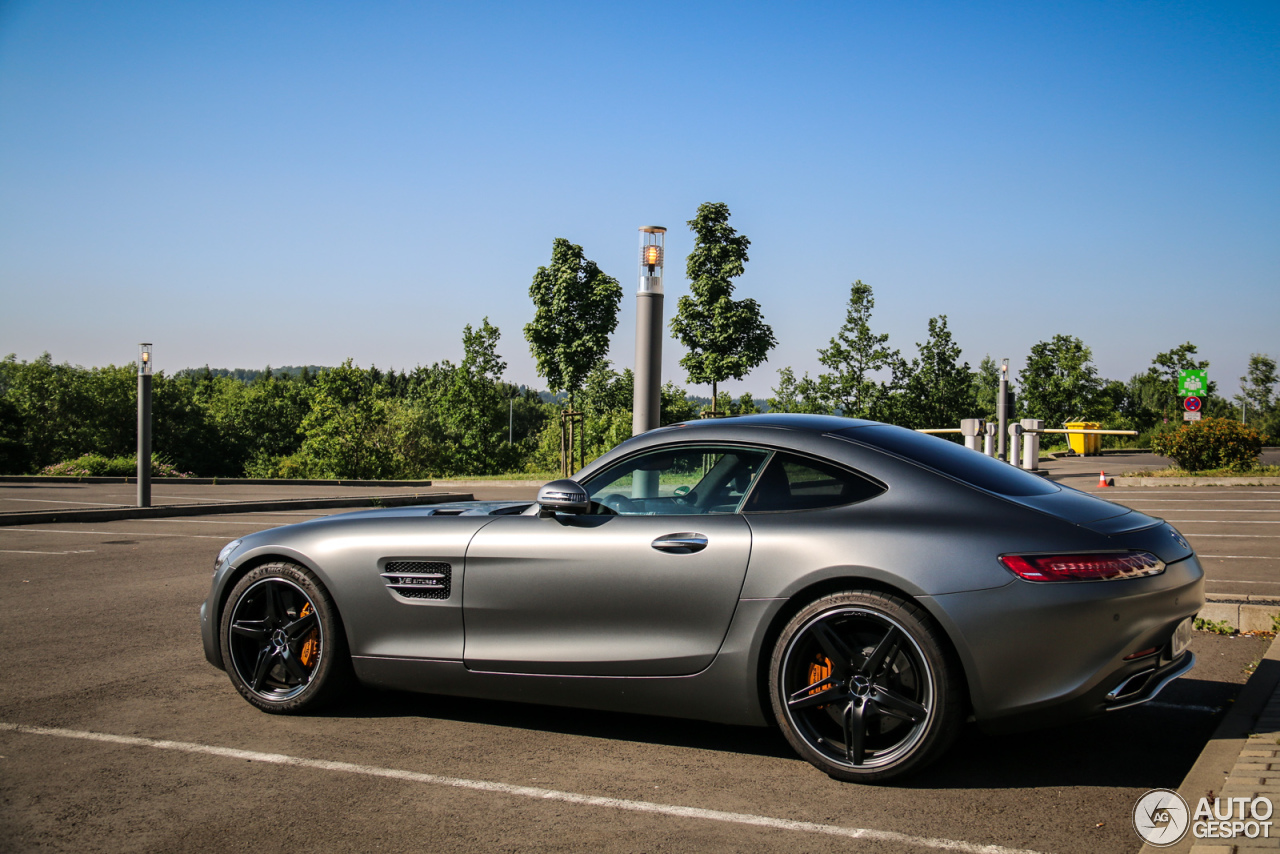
point(1086, 444)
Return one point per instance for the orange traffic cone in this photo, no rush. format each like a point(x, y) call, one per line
point(1102, 480)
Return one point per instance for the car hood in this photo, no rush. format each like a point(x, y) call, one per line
point(453, 508)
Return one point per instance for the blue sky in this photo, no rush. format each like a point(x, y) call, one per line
point(292, 183)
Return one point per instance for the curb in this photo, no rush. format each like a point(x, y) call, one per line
point(499, 483)
point(1197, 481)
point(1248, 613)
point(1225, 770)
point(111, 514)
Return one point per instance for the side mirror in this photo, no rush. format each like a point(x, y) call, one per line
point(562, 496)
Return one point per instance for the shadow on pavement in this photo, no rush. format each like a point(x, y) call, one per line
point(1149, 746)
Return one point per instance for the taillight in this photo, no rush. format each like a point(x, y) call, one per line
point(1083, 567)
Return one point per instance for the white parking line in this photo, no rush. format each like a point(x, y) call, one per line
point(1230, 581)
point(1140, 490)
point(1242, 557)
point(1127, 500)
point(1209, 510)
point(526, 791)
point(55, 501)
point(201, 522)
point(1228, 521)
point(25, 530)
point(27, 552)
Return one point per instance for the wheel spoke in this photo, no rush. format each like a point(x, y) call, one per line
point(854, 732)
point(837, 652)
point(888, 644)
point(253, 629)
point(895, 705)
point(263, 667)
point(275, 608)
point(299, 627)
point(817, 694)
point(295, 668)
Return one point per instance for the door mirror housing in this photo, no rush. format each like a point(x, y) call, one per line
point(563, 496)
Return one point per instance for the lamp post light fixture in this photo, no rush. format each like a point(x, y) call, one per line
point(144, 425)
point(647, 398)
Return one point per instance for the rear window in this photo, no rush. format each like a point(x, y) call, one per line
point(951, 459)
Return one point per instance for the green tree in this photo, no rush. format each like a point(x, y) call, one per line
point(796, 395)
point(575, 312)
point(726, 338)
point(854, 356)
point(1060, 382)
point(475, 406)
point(937, 391)
point(1257, 386)
point(345, 429)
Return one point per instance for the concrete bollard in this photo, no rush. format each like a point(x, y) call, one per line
point(970, 428)
point(989, 443)
point(1031, 443)
point(1015, 443)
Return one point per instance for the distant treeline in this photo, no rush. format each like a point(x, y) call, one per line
point(249, 375)
point(463, 419)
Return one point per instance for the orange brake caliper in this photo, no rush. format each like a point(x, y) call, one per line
point(312, 643)
point(819, 670)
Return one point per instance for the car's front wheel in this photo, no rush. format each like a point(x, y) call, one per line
point(282, 640)
point(864, 687)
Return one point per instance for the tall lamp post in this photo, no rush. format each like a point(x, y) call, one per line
point(646, 394)
point(1002, 409)
point(144, 425)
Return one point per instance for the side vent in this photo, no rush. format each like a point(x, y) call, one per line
point(416, 579)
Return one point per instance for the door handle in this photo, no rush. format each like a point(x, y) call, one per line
point(683, 544)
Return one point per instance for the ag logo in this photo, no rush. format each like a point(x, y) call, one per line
point(1161, 817)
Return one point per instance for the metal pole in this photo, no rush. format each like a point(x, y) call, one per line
point(646, 407)
point(1002, 409)
point(144, 427)
point(511, 421)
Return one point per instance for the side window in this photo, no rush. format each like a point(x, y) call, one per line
point(678, 482)
point(791, 482)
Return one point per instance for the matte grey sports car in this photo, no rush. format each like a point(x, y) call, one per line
point(865, 587)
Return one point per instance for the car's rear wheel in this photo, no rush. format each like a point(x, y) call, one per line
point(864, 687)
point(282, 640)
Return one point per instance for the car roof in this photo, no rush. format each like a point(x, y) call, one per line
point(782, 420)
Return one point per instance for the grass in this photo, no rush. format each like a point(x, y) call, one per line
point(1217, 627)
point(1257, 471)
point(543, 476)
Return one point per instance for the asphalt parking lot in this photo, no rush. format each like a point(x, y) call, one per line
point(142, 746)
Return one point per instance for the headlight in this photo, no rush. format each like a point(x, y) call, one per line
point(226, 553)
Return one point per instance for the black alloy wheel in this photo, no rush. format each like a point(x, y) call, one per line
point(282, 642)
point(864, 688)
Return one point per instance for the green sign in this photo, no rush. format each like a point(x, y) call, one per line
point(1193, 383)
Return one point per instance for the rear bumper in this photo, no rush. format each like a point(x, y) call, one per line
point(1042, 653)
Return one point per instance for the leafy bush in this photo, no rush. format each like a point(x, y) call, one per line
point(1211, 443)
point(97, 465)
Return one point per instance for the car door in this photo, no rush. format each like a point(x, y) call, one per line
point(645, 586)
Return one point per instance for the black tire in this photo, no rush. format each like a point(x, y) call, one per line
point(283, 644)
point(865, 687)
